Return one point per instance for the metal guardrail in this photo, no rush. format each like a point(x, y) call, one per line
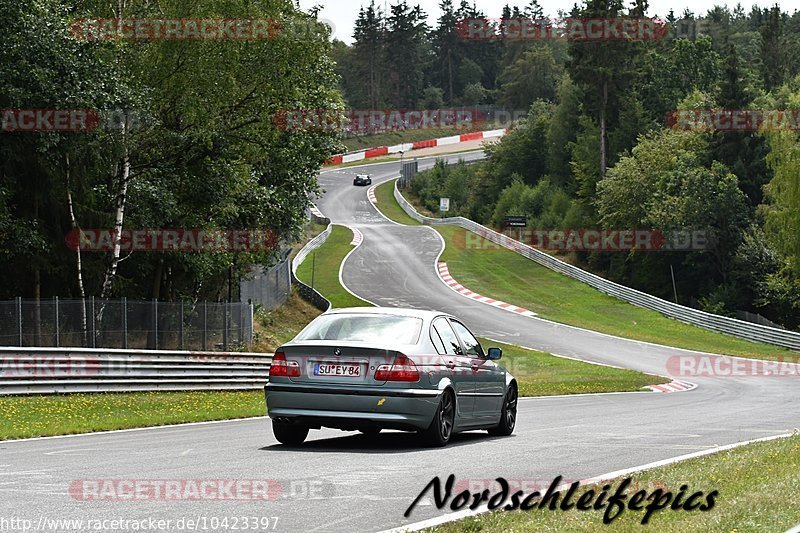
point(72, 370)
point(308, 293)
point(722, 324)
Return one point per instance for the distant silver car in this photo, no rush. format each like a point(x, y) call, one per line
point(367, 369)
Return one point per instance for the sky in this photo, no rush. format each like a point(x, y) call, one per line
point(342, 13)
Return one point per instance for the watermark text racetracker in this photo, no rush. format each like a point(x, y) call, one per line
point(173, 240)
point(39, 120)
point(732, 367)
point(591, 240)
point(199, 490)
point(187, 523)
point(188, 29)
point(573, 29)
point(49, 366)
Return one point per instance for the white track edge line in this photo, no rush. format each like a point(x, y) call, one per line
point(341, 271)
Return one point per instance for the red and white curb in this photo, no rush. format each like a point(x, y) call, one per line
point(675, 386)
point(358, 237)
point(380, 151)
point(371, 195)
point(316, 212)
point(444, 275)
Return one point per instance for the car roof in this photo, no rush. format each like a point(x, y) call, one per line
point(391, 311)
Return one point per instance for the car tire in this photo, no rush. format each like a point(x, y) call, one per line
point(508, 414)
point(440, 431)
point(289, 434)
point(370, 432)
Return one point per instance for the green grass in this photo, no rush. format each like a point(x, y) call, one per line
point(542, 374)
point(406, 136)
point(508, 276)
point(757, 487)
point(38, 416)
point(389, 206)
point(324, 270)
point(537, 373)
point(271, 329)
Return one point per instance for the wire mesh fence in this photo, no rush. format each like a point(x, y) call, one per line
point(270, 287)
point(126, 324)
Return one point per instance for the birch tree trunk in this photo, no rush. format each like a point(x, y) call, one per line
point(78, 260)
point(119, 217)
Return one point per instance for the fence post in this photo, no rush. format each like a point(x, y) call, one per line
point(288, 278)
point(252, 326)
point(205, 326)
point(225, 327)
point(155, 324)
point(94, 323)
point(55, 321)
point(19, 319)
point(125, 323)
point(180, 328)
point(241, 323)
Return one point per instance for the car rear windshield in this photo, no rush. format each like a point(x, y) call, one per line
point(363, 328)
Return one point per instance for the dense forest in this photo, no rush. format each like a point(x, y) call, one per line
point(188, 140)
point(597, 151)
point(204, 149)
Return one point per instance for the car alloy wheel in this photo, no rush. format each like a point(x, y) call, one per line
point(508, 415)
point(446, 417)
point(441, 429)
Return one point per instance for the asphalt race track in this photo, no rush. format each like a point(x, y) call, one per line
point(349, 482)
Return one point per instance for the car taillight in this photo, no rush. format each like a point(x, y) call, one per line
point(281, 368)
point(403, 369)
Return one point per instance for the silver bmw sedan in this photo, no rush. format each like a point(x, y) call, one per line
point(368, 369)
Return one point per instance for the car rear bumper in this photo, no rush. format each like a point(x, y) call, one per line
point(352, 408)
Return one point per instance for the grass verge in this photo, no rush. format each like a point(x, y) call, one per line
point(537, 373)
point(389, 206)
point(275, 328)
point(40, 416)
point(542, 374)
point(405, 136)
point(508, 276)
point(757, 487)
point(323, 270)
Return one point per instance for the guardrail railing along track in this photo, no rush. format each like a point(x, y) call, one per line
point(71, 370)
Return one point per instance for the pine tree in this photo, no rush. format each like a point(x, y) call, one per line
point(368, 54)
point(773, 62)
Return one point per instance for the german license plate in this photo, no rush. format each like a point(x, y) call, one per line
point(326, 369)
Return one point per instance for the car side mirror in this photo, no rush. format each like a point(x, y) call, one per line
point(495, 354)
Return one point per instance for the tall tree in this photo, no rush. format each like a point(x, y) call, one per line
point(406, 43)
point(773, 60)
point(369, 49)
point(446, 49)
point(602, 70)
